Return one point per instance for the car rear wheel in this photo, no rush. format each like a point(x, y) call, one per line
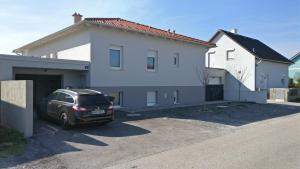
point(64, 120)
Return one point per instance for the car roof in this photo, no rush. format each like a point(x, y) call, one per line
point(79, 91)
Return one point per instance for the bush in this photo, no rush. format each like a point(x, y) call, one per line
point(291, 83)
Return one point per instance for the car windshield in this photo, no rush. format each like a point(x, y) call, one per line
point(92, 100)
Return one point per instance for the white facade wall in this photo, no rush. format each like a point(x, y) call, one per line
point(271, 75)
point(135, 48)
point(75, 46)
point(243, 60)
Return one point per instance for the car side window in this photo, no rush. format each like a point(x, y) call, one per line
point(53, 96)
point(68, 98)
point(59, 97)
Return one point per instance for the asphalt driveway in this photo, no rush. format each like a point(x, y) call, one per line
point(133, 136)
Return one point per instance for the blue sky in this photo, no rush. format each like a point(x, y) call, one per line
point(276, 22)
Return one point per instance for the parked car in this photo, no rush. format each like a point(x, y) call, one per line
point(77, 106)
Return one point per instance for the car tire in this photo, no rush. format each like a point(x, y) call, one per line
point(64, 120)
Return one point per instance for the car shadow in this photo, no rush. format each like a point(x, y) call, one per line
point(50, 140)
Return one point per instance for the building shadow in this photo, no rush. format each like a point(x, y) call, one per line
point(230, 113)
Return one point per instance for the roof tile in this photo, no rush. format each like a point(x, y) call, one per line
point(122, 23)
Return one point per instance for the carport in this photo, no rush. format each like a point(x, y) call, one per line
point(46, 75)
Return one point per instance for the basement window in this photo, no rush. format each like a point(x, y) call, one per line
point(118, 102)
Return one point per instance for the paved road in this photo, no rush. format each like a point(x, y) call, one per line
point(272, 144)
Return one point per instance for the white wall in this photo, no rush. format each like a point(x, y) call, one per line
point(17, 105)
point(254, 96)
point(75, 46)
point(82, 52)
point(135, 48)
point(271, 75)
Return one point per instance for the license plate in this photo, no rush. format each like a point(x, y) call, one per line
point(98, 112)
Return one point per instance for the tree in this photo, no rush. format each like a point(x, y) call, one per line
point(203, 75)
point(241, 74)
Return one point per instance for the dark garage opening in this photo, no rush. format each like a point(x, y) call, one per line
point(43, 85)
point(214, 92)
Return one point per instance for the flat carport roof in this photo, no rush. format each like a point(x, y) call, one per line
point(11, 61)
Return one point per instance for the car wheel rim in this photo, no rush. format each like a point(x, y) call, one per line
point(64, 118)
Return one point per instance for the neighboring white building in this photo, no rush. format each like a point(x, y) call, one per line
point(263, 67)
point(140, 65)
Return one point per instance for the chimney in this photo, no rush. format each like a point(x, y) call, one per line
point(77, 17)
point(235, 31)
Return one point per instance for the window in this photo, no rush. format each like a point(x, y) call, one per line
point(215, 80)
point(53, 96)
point(151, 61)
point(210, 59)
point(230, 54)
point(63, 97)
point(92, 100)
point(151, 98)
point(68, 98)
point(115, 57)
point(176, 60)
point(176, 97)
point(118, 102)
point(53, 55)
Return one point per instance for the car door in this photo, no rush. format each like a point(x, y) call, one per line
point(52, 104)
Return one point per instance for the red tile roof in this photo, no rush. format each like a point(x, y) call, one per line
point(125, 24)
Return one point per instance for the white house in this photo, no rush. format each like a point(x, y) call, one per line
point(261, 66)
point(140, 65)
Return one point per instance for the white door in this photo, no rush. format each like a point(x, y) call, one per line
point(151, 98)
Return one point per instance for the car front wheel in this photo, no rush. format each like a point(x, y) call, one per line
point(64, 120)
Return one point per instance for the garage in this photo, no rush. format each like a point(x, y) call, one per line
point(26, 80)
point(214, 89)
point(43, 85)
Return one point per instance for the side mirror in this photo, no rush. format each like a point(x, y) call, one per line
point(110, 98)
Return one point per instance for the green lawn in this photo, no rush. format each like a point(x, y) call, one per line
point(12, 142)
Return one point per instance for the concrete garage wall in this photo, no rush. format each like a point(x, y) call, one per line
point(17, 105)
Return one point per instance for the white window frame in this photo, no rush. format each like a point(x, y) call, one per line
point(120, 95)
point(53, 55)
point(227, 54)
point(150, 104)
point(208, 62)
point(119, 48)
point(176, 57)
point(176, 97)
point(155, 60)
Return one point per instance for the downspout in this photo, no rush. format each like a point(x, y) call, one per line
point(256, 64)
